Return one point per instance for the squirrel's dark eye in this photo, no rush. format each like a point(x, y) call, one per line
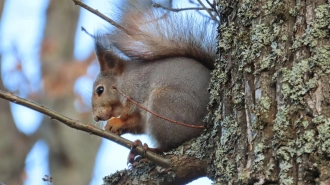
point(99, 90)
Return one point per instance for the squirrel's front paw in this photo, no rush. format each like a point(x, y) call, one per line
point(115, 125)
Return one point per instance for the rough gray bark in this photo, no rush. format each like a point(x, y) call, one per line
point(271, 92)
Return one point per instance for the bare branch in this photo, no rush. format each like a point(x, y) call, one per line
point(184, 169)
point(214, 7)
point(104, 17)
point(86, 128)
point(209, 11)
point(179, 9)
point(84, 30)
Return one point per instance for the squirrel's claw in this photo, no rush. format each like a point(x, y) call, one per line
point(132, 156)
point(136, 143)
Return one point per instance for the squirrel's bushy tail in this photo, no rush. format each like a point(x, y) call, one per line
point(155, 33)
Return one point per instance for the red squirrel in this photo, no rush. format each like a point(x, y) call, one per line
point(163, 62)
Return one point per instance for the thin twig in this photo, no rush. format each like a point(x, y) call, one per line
point(96, 12)
point(84, 30)
point(179, 9)
point(155, 114)
point(48, 179)
point(208, 2)
point(209, 11)
point(214, 7)
point(86, 128)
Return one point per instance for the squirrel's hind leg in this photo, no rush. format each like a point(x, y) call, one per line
point(178, 105)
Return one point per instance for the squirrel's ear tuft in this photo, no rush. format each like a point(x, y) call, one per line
point(109, 61)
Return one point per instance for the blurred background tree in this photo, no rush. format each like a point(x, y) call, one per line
point(38, 63)
point(45, 57)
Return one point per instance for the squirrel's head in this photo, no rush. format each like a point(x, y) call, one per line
point(105, 99)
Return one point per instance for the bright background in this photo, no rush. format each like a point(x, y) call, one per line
point(21, 18)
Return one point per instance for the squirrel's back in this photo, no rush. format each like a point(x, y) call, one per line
point(154, 33)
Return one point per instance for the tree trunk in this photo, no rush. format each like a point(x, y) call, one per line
point(14, 147)
point(1, 8)
point(69, 150)
point(270, 93)
point(72, 154)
